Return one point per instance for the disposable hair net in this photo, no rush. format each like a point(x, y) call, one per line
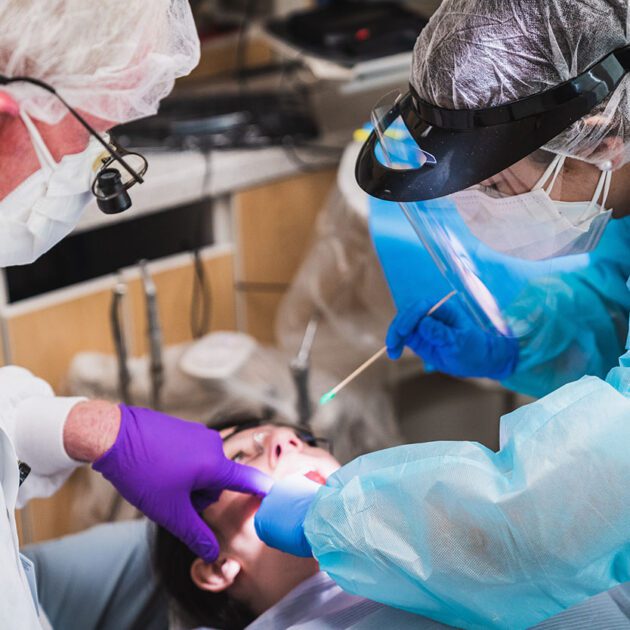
point(476, 54)
point(114, 60)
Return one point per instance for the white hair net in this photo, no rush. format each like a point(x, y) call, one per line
point(483, 53)
point(114, 59)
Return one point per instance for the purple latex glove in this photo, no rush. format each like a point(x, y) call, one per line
point(171, 469)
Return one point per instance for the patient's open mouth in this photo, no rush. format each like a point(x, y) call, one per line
point(313, 475)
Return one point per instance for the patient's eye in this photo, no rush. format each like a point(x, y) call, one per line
point(239, 457)
point(245, 446)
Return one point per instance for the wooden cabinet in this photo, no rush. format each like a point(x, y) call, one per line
point(273, 228)
point(45, 333)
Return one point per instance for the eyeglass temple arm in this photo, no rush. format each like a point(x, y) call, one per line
point(6, 80)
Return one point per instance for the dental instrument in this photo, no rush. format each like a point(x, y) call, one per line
point(328, 396)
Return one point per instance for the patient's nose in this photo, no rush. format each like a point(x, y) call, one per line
point(282, 440)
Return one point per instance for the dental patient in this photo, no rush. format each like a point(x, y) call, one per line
point(251, 585)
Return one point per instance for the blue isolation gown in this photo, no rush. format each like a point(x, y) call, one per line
point(583, 325)
point(569, 324)
point(478, 539)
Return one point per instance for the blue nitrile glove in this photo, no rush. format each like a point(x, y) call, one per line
point(450, 341)
point(280, 520)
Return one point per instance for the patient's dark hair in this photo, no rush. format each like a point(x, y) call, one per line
point(173, 559)
point(193, 605)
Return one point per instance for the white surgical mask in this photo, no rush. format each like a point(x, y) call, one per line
point(48, 204)
point(532, 226)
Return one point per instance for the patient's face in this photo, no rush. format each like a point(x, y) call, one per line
point(265, 575)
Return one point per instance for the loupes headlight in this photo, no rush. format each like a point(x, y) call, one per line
point(119, 172)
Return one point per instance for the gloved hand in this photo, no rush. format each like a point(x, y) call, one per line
point(451, 342)
point(279, 521)
point(171, 469)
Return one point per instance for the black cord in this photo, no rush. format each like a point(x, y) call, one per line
point(207, 173)
point(294, 158)
point(290, 78)
point(313, 146)
point(201, 300)
point(242, 41)
point(112, 150)
point(262, 70)
point(201, 303)
point(306, 166)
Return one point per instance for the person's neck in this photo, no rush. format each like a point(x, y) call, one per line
point(269, 592)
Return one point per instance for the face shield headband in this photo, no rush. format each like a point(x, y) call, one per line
point(501, 254)
point(443, 151)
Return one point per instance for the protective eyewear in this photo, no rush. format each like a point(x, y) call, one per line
point(239, 424)
point(116, 174)
point(432, 152)
point(500, 253)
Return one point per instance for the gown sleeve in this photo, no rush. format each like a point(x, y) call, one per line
point(478, 539)
point(33, 418)
point(573, 324)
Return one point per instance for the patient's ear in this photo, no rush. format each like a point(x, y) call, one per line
point(216, 576)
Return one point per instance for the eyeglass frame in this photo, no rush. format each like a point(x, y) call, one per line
point(244, 422)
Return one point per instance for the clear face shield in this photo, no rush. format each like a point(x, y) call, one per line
point(502, 241)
